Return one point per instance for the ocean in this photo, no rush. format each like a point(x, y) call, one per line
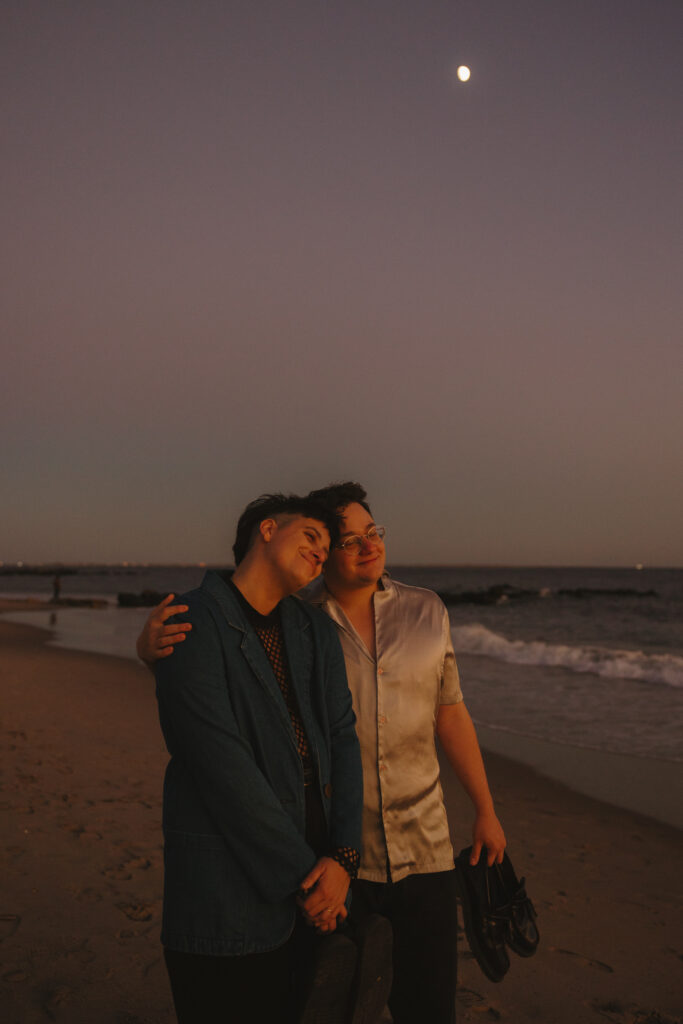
point(586, 659)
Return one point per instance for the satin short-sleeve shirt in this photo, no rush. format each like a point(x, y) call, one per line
point(396, 697)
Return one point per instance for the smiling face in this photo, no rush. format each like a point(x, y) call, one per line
point(296, 548)
point(355, 570)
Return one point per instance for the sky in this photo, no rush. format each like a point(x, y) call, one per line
point(257, 246)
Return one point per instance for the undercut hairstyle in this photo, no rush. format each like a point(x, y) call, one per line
point(277, 506)
point(338, 496)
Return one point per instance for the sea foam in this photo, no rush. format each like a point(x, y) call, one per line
point(603, 661)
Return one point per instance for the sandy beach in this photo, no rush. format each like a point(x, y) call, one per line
point(82, 866)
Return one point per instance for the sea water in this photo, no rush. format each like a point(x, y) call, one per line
point(590, 659)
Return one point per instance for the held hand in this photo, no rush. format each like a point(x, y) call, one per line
point(157, 639)
point(324, 925)
point(323, 892)
point(488, 831)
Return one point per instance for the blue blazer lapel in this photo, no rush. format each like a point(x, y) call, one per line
point(250, 645)
point(296, 629)
point(257, 659)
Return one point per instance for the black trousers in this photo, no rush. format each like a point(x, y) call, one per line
point(259, 988)
point(423, 914)
point(232, 989)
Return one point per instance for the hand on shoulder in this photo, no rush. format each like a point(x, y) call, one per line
point(158, 636)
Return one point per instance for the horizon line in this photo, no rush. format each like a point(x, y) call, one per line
point(22, 565)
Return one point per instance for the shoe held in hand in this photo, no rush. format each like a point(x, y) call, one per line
point(497, 912)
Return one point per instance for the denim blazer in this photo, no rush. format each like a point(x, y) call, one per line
point(234, 814)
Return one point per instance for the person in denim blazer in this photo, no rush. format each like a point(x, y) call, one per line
point(235, 810)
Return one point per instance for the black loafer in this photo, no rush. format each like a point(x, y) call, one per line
point(521, 933)
point(484, 926)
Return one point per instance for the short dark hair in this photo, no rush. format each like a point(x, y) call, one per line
point(270, 506)
point(338, 496)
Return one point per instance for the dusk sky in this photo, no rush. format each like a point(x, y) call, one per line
point(255, 246)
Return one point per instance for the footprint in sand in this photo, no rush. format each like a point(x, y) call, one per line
point(561, 900)
point(118, 873)
point(613, 1010)
point(15, 976)
point(82, 831)
point(22, 808)
point(89, 894)
point(137, 911)
point(123, 872)
point(139, 863)
point(475, 1002)
point(8, 925)
point(15, 851)
point(653, 1017)
point(585, 851)
point(152, 965)
point(587, 961)
point(55, 999)
point(468, 996)
point(82, 953)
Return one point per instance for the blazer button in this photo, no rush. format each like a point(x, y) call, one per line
point(327, 790)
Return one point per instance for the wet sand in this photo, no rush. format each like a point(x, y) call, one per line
point(82, 866)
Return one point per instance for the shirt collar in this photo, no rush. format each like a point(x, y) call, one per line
point(317, 593)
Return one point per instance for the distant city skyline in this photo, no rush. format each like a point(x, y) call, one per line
point(264, 246)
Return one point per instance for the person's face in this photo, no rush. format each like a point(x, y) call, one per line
point(361, 568)
point(297, 548)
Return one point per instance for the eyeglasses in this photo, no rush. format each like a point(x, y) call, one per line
point(352, 545)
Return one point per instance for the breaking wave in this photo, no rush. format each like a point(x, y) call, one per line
point(602, 661)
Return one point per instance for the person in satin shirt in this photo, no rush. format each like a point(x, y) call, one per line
point(405, 687)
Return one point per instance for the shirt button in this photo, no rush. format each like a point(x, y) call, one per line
point(380, 671)
point(382, 719)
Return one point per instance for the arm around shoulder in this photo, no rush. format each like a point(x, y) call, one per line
point(159, 636)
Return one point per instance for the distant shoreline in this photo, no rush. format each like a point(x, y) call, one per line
point(37, 604)
point(50, 568)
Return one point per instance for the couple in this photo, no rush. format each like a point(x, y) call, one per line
point(263, 798)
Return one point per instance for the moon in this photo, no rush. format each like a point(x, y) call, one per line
point(463, 73)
